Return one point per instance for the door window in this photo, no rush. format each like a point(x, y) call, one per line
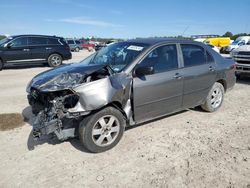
point(19, 42)
point(193, 55)
point(163, 58)
point(37, 41)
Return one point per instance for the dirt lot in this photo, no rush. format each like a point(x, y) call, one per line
point(188, 149)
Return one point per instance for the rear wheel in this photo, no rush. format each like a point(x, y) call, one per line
point(77, 49)
point(1, 65)
point(54, 60)
point(103, 130)
point(215, 98)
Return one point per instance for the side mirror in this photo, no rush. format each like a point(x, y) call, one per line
point(146, 70)
point(8, 45)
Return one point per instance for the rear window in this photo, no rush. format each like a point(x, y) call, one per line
point(193, 55)
point(52, 41)
point(70, 42)
point(78, 42)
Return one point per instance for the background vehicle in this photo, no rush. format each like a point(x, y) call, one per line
point(89, 45)
point(219, 42)
point(95, 96)
point(237, 43)
point(20, 49)
point(74, 45)
point(242, 57)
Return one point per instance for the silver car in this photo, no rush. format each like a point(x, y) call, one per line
point(125, 84)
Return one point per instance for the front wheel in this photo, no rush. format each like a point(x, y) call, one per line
point(54, 60)
point(101, 131)
point(215, 98)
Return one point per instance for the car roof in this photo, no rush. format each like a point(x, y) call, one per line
point(154, 41)
point(31, 35)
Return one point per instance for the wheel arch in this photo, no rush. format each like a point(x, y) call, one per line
point(223, 83)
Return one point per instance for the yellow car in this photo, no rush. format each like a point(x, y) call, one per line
point(219, 42)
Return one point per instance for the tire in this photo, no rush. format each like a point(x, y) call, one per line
point(215, 98)
point(95, 133)
point(1, 65)
point(77, 50)
point(54, 60)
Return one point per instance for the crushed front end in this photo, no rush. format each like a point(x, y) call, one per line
point(62, 97)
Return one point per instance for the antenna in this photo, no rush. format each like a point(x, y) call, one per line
point(185, 30)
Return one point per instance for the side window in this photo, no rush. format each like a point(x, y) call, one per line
point(37, 41)
point(52, 41)
point(193, 55)
point(19, 42)
point(163, 58)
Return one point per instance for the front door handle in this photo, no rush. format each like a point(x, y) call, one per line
point(177, 76)
point(26, 50)
point(211, 69)
point(48, 48)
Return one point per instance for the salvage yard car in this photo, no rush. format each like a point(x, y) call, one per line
point(125, 84)
point(33, 49)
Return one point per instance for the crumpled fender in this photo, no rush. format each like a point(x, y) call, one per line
point(96, 94)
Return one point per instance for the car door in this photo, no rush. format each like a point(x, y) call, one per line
point(199, 74)
point(161, 92)
point(17, 50)
point(38, 47)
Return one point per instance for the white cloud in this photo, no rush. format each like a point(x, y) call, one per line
point(88, 21)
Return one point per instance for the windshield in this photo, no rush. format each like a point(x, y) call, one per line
point(117, 55)
point(3, 41)
point(235, 42)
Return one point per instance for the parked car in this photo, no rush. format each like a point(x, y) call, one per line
point(20, 49)
point(219, 42)
point(74, 45)
point(87, 45)
point(124, 84)
point(243, 40)
point(242, 57)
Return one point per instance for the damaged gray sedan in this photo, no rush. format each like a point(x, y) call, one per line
point(125, 84)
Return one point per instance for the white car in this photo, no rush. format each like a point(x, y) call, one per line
point(241, 56)
point(237, 43)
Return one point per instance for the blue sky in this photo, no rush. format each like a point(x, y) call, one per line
point(124, 19)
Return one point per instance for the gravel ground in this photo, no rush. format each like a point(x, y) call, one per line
point(188, 149)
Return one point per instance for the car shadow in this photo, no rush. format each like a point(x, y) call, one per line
point(244, 80)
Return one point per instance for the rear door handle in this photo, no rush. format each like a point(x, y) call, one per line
point(177, 76)
point(48, 48)
point(26, 50)
point(211, 69)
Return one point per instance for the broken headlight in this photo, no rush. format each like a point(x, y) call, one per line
point(62, 81)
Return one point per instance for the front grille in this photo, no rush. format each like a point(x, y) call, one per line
point(243, 53)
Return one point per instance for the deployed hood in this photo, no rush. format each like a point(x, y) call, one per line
point(62, 77)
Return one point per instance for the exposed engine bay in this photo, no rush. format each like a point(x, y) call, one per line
point(62, 101)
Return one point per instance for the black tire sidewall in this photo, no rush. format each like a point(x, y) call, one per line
point(49, 60)
point(86, 127)
point(1, 65)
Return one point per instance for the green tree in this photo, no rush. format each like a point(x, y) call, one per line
point(228, 34)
